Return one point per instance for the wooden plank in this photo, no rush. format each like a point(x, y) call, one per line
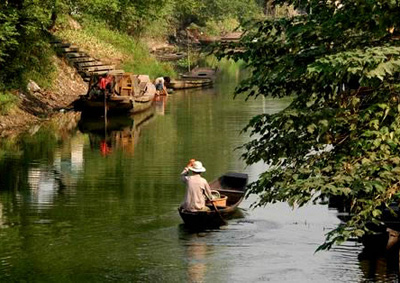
point(98, 68)
point(80, 65)
point(70, 49)
point(81, 59)
point(62, 44)
point(88, 74)
point(76, 55)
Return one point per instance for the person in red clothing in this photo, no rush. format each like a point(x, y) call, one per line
point(105, 84)
point(105, 149)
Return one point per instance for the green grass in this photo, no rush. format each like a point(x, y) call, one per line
point(120, 49)
point(45, 71)
point(7, 102)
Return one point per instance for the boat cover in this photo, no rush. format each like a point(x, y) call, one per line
point(234, 180)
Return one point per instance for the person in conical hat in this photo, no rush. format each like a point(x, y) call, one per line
point(197, 188)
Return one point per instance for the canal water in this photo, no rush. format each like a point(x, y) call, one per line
point(86, 203)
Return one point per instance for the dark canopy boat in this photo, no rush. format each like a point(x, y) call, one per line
point(129, 94)
point(230, 185)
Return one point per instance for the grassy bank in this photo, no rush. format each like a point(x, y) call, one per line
point(7, 102)
point(110, 46)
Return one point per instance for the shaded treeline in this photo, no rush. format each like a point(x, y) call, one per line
point(25, 26)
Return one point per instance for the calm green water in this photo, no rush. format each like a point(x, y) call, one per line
point(88, 205)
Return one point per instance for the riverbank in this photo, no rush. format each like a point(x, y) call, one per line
point(36, 104)
point(64, 84)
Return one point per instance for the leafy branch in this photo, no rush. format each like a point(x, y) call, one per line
point(340, 136)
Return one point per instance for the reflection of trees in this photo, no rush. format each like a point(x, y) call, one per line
point(2, 221)
point(35, 167)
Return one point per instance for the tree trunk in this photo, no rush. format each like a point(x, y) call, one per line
point(53, 19)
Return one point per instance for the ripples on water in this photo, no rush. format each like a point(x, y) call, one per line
point(73, 213)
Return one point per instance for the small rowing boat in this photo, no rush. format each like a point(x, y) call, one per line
point(230, 185)
point(201, 73)
point(186, 83)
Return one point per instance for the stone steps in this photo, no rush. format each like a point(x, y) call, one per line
point(83, 62)
point(80, 65)
point(98, 68)
point(70, 49)
point(71, 55)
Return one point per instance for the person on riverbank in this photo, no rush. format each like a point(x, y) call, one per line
point(161, 89)
point(197, 188)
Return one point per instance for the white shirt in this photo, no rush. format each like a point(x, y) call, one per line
point(196, 189)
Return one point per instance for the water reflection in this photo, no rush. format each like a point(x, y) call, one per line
point(59, 197)
point(197, 253)
point(160, 104)
point(2, 219)
point(116, 133)
point(45, 180)
point(378, 268)
point(43, 186)
point(196, 257)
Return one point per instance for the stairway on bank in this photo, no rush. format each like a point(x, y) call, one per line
point(83, 62)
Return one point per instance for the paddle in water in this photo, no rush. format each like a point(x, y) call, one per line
point(216, 210)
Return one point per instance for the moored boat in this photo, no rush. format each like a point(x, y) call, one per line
point(230, 185)
point(186, 83)
point(127, 93)
point(201, 73)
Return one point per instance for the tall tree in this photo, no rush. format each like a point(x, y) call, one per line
point(340, 136)
point(23, 31)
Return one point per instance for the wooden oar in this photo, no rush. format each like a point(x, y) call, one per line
point(216, 209)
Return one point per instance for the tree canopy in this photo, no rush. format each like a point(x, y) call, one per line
point(23, 44)
point(340, 136)
point(25, 25)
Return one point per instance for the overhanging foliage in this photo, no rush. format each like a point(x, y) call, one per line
point(340, 136)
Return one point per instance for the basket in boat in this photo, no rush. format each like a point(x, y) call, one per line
point(221, 201)
point(217, 199)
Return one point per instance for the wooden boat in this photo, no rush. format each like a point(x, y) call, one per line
point(168, 53)
point(380, 240)
point(201, 73)
point(185, 83)
point(232, 185)
point(128, 94)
